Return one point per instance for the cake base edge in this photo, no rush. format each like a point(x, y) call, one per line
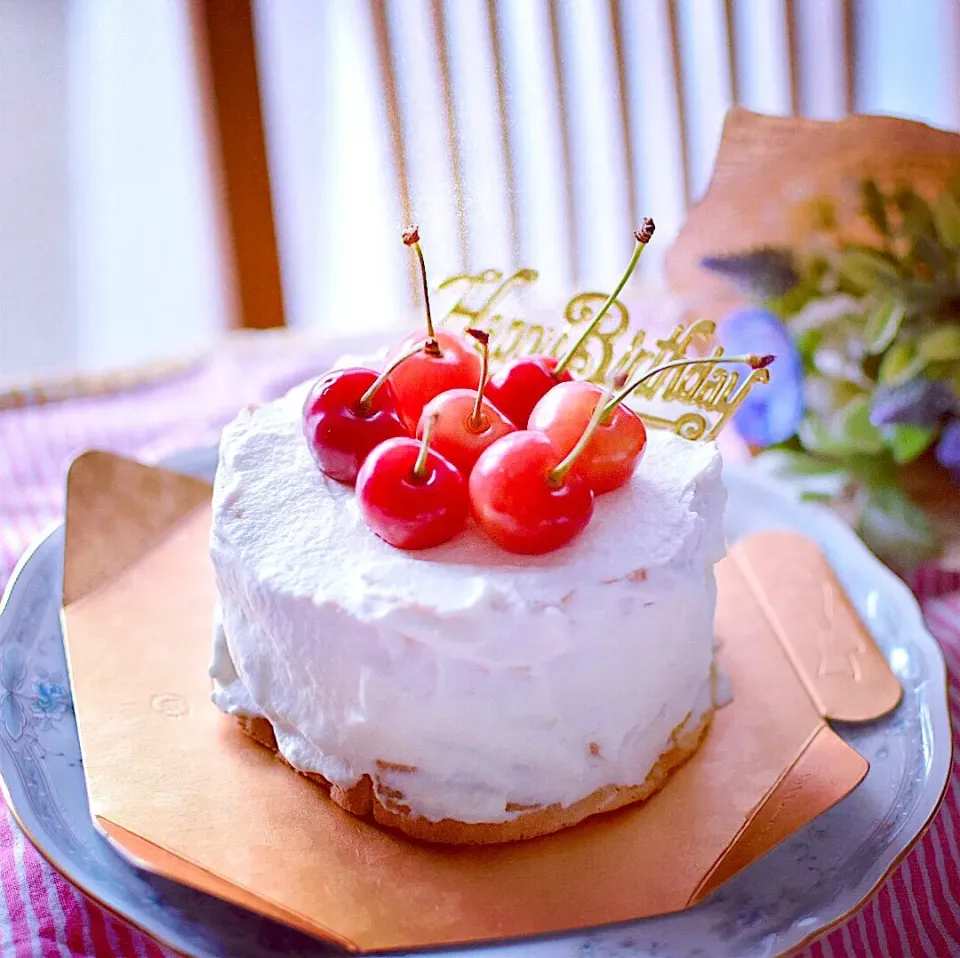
point(363, 800)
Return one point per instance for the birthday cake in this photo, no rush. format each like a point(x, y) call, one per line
point(466, 629)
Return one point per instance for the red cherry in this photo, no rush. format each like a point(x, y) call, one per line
point(341, 427)
point(451, 364)
point(519, 385)
point(466, 423)
point(458, 436)
point(614, 449)
point(445, 362)
point(602, 441)
point(517, 501)
point(410, 496)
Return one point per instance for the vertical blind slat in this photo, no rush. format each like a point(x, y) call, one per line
point(732, 50)
point(413, 41)
point(386, 66)
point(679, 97)
point(569, 206)
point(954, 76)
point(955, 64)
point(596, 132)
point(509, 176)
point(616, 23)
point(793, 56)
point(534, 121)
point(479, 133)
point(656, 136)
point(850, 55)
point(949, 15)
point(765, 82)
point(225, 35)
point(450, 116)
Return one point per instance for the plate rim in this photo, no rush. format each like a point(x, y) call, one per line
point(65, 871)
point(741, 475)
point(905, 599)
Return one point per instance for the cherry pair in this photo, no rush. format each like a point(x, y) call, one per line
point(349, 412)
point(413, 494)
point(519, 385)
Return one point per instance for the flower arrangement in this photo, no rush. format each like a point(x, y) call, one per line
point(867, 334)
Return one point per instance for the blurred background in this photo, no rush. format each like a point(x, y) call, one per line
point(173, 168)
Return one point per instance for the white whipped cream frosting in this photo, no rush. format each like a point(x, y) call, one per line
point(506, 681)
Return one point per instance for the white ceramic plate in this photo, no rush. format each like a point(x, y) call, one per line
point(811, 881)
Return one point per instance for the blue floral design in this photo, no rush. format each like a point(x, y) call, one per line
point(51, 701)
point(773, 413)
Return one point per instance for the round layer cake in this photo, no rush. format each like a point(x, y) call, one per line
point(463, 693)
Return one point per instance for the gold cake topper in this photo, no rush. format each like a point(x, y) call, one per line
point(705, 396)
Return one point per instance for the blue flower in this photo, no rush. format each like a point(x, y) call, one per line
point(948, 447)
point(920, 402)
point(770, 413)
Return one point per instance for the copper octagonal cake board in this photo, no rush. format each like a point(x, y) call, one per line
point(178, 789)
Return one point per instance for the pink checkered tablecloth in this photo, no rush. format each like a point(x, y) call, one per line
point(916, 912)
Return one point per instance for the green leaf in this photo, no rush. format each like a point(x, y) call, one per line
point(908, 442)
point(866, 269)
point(936, 369)
point(793, 300)
point(813, 496)
point(805, 475)
point(916, 217)
point(872, 470)
point(859, 434)
point(816, 437)
point(807, 344)
point(946, 217)
point(928, 255)
point(824, 214)
point(900, 364)
point(940, 345)
point(895, 528)
point(874, 206)
point(883, 324)
point(846, 432)
point(815, 269)
point(928, 297)
point(836, 310)
point(824, 396)
point(794, 462)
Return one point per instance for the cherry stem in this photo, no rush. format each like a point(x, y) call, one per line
point(420, 466)
point(603, 410)
point(431, 347)
point(555, 476)
point(367, 397)
point(642, 237)
point(752, 360)
point(477, 419)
